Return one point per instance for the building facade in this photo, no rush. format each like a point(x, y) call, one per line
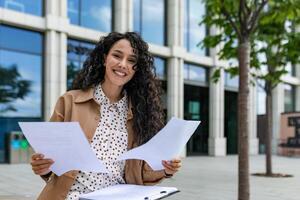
point(43, 43)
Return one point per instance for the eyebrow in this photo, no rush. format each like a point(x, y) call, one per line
point(131, 55)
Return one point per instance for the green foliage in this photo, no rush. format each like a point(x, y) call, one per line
point(274, 39)
point(12, 87)
point(216, 75)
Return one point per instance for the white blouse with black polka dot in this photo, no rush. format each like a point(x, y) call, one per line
point(109, 142)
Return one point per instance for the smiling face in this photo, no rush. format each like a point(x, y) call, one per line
point(119, 64)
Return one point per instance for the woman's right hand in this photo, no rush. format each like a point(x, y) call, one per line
point(40, 165)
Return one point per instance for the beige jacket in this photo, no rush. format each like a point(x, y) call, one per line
point(78, 105)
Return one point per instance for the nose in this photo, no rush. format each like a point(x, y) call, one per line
point(123, 63)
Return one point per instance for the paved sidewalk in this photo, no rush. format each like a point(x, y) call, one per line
point(201, 178)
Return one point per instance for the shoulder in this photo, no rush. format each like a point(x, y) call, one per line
point(78, 96)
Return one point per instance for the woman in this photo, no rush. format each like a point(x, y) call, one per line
point(116, 101)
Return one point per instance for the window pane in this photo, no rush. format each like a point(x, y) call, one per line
point(289, 98)
point(151, 25)
point(291, 69)
point(160, 65)
point(73, 11)
point(96, 14)
point(92, 14)
point(196, 104)
point(194, 33)
point(21, 79)
point(72, 49)
point(34, 7)
point(86, 48)
point(261, 98)
point(77, 54)
point(186, 71)
point(19, 68)
point(137, 15)
point(231, 81)
point(72, 69)
point(195, 73)
point(21, 40)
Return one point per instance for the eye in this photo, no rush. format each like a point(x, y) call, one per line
point(116, 56)
point(132, 61)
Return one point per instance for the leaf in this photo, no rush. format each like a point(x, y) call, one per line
point(216, 75)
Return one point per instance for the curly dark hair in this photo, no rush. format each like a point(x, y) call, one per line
point(143, 89)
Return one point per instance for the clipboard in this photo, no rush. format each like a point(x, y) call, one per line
point(130, 192)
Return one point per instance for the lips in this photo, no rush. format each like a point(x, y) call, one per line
point(119, 73)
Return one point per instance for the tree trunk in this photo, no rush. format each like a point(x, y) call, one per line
point(243, 119)
point(268, 136)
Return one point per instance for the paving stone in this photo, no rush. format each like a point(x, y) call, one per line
point(201, 178)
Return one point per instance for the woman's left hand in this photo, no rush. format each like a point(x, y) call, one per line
point(171, 166)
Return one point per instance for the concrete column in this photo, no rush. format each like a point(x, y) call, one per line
point(175, 64)
point(56, 8)
point(174, 23)
point(175, 88)
point(253, 140)
point(216, 141)
point(123, 15)
point(63, 8)
point(175, 83)
point(55, 71)
point(278, 108)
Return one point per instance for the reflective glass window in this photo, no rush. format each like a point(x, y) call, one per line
point(196, 107)
point(21, 79)
point(231, 81)
point(289, 98)
point(73, 11)
point(77, 54)
point(19, 70)
point(195, 73)
point(93, 14)
point(193, 33)
point(261, 97)
point(291, 69)
point(34, 7)
point(149, 20)
point(160, 65)
point(21, 40)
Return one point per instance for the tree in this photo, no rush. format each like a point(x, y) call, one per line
point(12, 87)
point(237, 21)
point(278, 38)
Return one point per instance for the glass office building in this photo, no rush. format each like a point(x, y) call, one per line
point(43, 44)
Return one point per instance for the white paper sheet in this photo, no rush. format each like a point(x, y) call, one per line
point(165, 145)
point(130, 192)
point(63, 142)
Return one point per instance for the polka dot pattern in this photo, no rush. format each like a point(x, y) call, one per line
point(108, 143)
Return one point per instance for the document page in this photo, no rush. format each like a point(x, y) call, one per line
point(130, 192)
point(165, 145)
point(63, 142)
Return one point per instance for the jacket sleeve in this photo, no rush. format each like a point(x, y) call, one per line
point(59, 110)
point(151, 177)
